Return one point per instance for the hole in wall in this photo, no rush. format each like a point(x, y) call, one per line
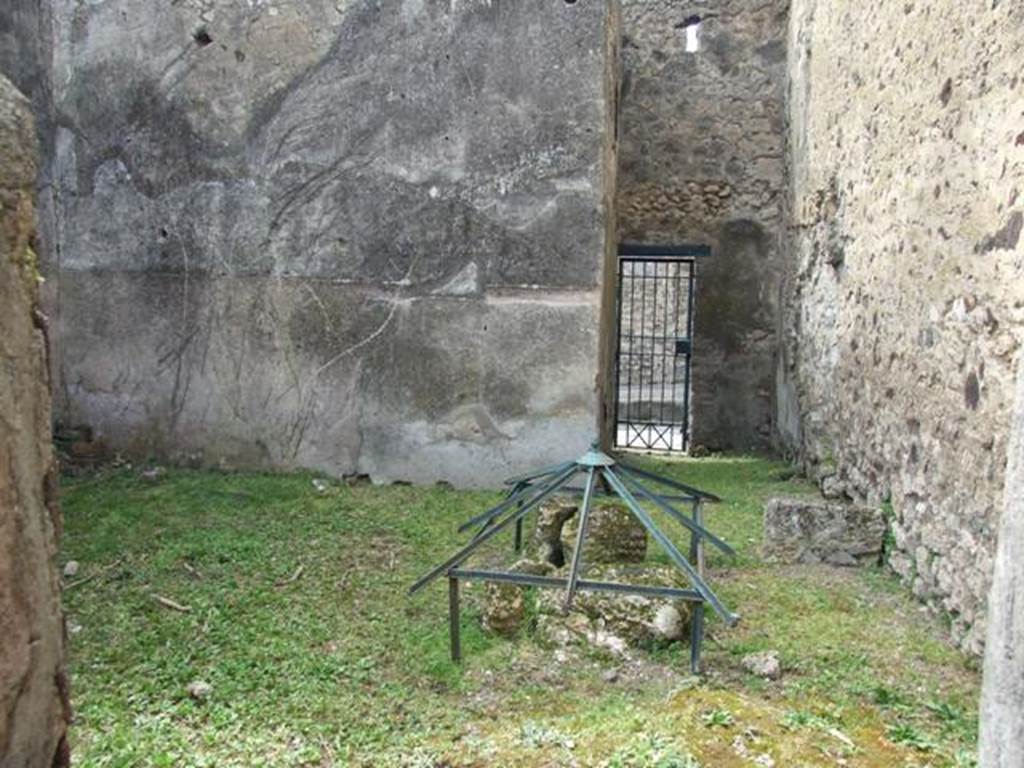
point(202, 37)
point(693, 38)
point(947, 91)
point(972, 391)
point(691, 28)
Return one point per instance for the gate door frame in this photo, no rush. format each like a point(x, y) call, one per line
point(661, 422)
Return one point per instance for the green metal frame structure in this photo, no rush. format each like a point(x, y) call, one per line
point(602, 476)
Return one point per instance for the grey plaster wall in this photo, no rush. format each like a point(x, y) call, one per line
point(702, 161)
point(906, 296)
point(356, 236)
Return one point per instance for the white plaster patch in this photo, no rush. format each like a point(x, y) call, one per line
point(465, 283)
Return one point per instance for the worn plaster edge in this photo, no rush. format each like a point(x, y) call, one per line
point(1001, 735)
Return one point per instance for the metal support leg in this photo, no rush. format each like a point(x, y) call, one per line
point(693, 535)
point(696, 636)
point(698, 518)
point(581, 534)
point(519, 530)
point(453, 619)
point(697, 619)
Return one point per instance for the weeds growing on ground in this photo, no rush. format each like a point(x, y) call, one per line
point(293, 609)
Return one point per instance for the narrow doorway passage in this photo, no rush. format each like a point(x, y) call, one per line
point(654, 348)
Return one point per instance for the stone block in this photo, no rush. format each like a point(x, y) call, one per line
point(813, 531)
point(614, 535)
point(763, 664)
point(616, 621)
point(504, 609)
point(546, 541)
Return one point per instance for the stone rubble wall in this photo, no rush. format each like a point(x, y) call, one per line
point(34, 711)
point(905, 297)
point(701, 153)
point(359, 237)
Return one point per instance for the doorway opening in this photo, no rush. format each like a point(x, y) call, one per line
point(654, 348)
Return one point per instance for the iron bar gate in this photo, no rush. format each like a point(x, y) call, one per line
point(655, 345)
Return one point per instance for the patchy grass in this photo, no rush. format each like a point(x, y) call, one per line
point(333, 665)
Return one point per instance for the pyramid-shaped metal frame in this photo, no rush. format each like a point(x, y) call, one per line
point(616, 478)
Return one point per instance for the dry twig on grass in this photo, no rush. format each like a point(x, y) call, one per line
point(166, 602)
point(291, 579)
point(192, 570)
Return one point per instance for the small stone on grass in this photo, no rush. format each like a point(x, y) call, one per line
point(199, 689)
point(668, 623)
point(70, 569)
point(764, 664)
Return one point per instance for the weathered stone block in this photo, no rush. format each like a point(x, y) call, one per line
point(546, 541)
point(614, 535)
point(504, 609)
point(810, 531)
point(763, 664)
point(615, 621)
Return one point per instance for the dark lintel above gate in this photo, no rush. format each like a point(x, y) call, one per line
point(671, 251)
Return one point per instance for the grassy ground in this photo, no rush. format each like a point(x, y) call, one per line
point(338, 667)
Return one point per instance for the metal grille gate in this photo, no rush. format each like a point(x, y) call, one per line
point(655, 314)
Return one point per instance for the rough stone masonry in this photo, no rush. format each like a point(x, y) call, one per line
point(34, 712)
point(905, 298)
point(701, 161)
point(357, 236)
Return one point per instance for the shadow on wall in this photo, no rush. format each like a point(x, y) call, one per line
point(730, 298)
point(734, 333)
